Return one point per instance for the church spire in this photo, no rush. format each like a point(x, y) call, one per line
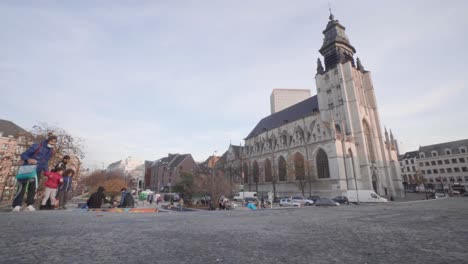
point(336, 47)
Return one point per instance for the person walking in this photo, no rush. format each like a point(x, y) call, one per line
point(65, 190)
point(52, 184)
point(39, 155)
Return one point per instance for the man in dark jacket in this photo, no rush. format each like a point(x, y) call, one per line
point(63, 164)
point(126, 199)
point(39, 155)
point(96, 199)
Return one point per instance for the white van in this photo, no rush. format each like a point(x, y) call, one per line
point(364, 196)
point(242, 195)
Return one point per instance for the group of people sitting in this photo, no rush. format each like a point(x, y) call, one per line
point(99, 197)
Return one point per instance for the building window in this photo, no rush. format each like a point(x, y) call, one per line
point(433, 163)
point(407, 168)
point(444, 179)
point(268, 174)
point(462, 160)
point(448, 152)
point(447, 161)
point(423, 172)
point(452, 179)
point(434, 153)
point(255, 172)
point(431, 180)
point(456, 169)
point(449, 170)
point(322, 165)
point(429, 172)
point(406, 162)
point(402, 170)
point(421, 164)
point(412, 161)
point(299, 167)
point(459, 179)
point(454, 160)
point(282, 172)
point(442, 170)
point(427, 163)
point(414, 168)
point(466, 178)
point(421, 155)
point(439, 162)
point(464, 169)
point(436, 171)
point(462, 149)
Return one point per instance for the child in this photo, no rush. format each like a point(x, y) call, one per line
point(52, 183)
point(65, 190)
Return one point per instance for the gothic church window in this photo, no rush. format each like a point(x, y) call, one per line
point(282, 171)
point(255, 172)
point(268, 174)
point(299, 168)
point(323, 169)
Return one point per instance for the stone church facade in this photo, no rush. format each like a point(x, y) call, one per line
point(329, 143)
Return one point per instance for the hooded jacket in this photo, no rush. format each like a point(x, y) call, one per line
point(95, 200)
point(40, 152)
point(54, 179)
point(67, 184)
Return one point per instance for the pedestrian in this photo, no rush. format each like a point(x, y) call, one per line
point(126, 199)
point(52, 184)
point(38, 155)
point(65, 190)
point(63, 163)
point(96, 199)
point(263, 202)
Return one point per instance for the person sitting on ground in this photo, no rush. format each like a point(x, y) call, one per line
point(96, 199)
point(52, 184)
point(126, 199)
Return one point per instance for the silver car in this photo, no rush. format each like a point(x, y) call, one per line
point(287, 202)
point(303, 200)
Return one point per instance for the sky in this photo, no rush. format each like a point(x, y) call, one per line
point(148, 78)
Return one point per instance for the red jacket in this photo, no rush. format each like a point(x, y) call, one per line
point(54, 179)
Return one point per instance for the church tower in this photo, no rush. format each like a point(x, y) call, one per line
point(347, 102)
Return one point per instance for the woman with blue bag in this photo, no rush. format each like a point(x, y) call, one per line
point(36, 161)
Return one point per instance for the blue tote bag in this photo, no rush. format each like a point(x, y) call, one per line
point(27, 172)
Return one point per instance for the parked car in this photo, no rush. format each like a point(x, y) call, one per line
point(341, 199)
point(303, 200)
point(326, 202)
point(288, 202)
point(313, 198)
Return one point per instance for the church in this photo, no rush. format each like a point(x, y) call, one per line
point(326, 144)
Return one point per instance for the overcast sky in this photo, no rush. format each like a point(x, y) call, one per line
point(147, 78)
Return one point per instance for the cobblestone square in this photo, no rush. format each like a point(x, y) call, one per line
point(409, 232)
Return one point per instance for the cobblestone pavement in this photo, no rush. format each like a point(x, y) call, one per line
point(413, 232)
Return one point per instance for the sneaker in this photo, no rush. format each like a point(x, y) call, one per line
point(30, 208)
point(16, 209)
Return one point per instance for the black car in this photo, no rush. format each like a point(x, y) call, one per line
point(313, 198)
point(341, 199)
